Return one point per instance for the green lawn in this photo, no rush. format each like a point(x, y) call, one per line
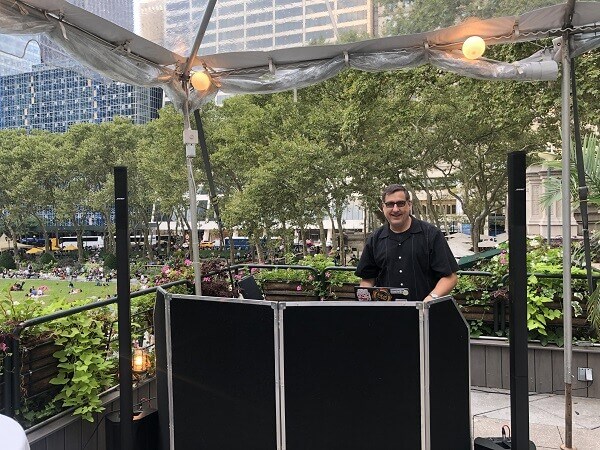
point(59, 289)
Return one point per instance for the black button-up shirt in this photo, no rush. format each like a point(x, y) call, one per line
point(415, 259)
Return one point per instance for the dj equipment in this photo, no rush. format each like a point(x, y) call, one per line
point(252, 374)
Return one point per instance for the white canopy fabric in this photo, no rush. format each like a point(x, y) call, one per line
point(123, 56)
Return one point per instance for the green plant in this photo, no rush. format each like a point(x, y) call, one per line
point(46, 260)
point(110, 261)
point(85, 371)
point(591, 165)
point(544, 286)
point(340, 277)
point(7, 261)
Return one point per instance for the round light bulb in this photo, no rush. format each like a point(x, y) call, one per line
point(201, 81)
point(473, 47)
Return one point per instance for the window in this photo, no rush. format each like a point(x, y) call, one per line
point(231, 22)
point(288, 26)
point(289, 12)
point(289, 39)
point(259, 31)
point(318, 21)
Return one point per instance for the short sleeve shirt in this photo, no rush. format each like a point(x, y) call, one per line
point(415, 259)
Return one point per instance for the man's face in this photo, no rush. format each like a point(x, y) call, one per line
point(397, 211)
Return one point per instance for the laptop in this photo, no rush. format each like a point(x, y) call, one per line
point(380, 294)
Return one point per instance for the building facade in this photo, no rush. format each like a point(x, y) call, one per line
point(238, 25)
point(55, 98)
point(18, 54)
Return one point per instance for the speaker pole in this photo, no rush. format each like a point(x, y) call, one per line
point(124, 308)
point(517, 266)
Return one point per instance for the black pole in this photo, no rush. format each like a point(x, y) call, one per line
point(582, 189)
point(214, 200)
point(124, 309)
point(517, 266)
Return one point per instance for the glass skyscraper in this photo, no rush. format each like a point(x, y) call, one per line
point(238, 25)
point(18, 54)
point(58, 93)
point(54, 98)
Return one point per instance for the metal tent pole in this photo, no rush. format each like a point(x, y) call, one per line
point(566, 232)
point(190, 154)
point(190, 143)
point(582, 188)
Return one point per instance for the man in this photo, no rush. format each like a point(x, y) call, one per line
point(407, 252)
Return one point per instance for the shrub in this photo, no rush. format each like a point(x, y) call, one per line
point(46, 259)
point(7, 261)
point(110, 261)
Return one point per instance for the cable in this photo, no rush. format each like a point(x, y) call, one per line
point(95, 429)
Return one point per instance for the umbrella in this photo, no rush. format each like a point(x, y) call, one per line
point(70, 248)
point(35, 251)
point(7, 244)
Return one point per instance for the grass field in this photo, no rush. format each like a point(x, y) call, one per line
point(59, 289)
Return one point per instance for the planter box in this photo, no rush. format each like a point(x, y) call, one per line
point(65, 431)
point(279, 291)
point(345, 292)
point(38, 367)
point(490, 367)
point(470, 311)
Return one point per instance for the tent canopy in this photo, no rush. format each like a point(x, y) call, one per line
point(121, 55)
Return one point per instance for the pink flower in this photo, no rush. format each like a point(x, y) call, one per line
point(3, 347)
point(299, 288)
point(327, 274)
point(254, 270)
point(206, 279)
point(187, 262)
point(310, 278)
point(165, 269)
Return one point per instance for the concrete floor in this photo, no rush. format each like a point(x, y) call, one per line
point(491, 409)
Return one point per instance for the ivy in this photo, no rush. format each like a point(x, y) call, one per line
point(85, 370)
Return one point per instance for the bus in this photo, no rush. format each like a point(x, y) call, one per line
point(87, 241)
point(240, 243)
point(138, 240)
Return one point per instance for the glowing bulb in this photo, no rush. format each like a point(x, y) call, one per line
point(473, 47)
point(139, 363)
point(201, 81)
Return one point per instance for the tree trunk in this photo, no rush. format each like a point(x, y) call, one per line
point(322, 237)
point(13, 235)
point(341, 243)
point(333, 230)
point(80, 245)
point(168, 238)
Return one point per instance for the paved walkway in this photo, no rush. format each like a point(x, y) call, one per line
point(491, 410)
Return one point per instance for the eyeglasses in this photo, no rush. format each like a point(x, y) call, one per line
point(399, 204)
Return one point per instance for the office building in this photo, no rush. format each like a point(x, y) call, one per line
point(18, 54)
point(150, 20)
point(52, 99)
point(238, 25)
point(119, 12)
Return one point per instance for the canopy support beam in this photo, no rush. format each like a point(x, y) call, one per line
point(191, 153)
point(566, 232)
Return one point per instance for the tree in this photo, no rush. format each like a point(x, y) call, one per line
point(161, 160)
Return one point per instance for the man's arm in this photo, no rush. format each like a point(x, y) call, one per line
point(367, 282)
point(444, 286)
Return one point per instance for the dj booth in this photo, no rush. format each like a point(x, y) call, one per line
point(257, 375)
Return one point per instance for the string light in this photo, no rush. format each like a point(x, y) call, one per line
point(201, 81)
point(473, 47)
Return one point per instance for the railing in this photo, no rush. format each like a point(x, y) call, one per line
point(12, 362)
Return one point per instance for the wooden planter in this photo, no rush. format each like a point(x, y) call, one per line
point(345, 292)
point(38, 367)
point(484, 311)
point(280, 291)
